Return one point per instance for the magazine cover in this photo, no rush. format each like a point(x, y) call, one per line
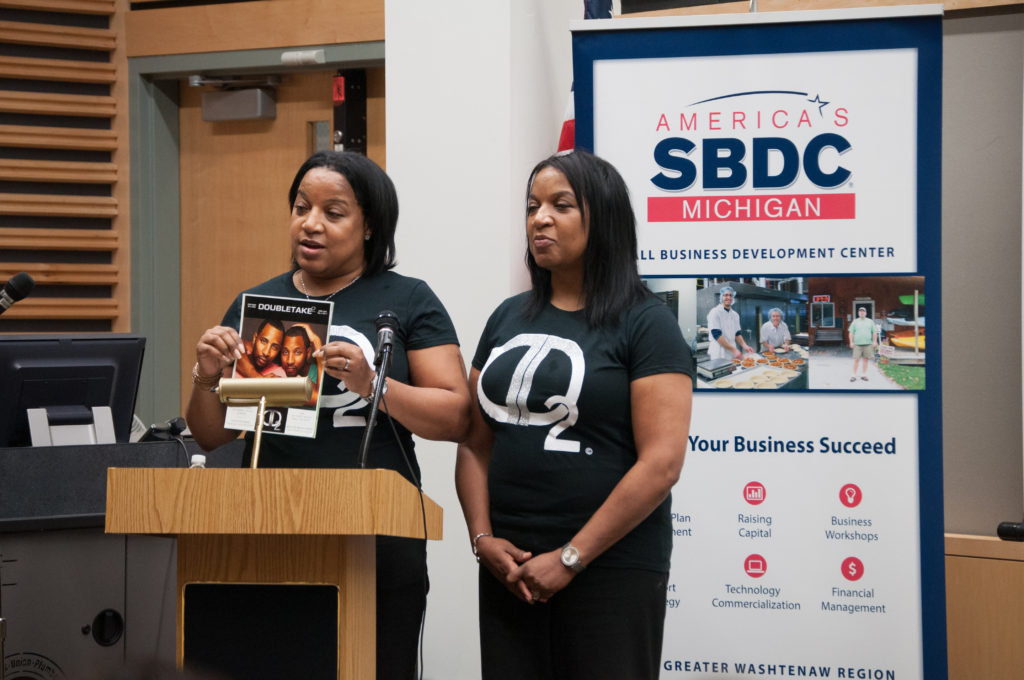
point(280, 336)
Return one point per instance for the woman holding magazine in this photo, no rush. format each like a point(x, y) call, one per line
point(344, 211)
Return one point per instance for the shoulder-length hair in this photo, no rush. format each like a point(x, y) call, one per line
point(375, 193)
point(611, 282)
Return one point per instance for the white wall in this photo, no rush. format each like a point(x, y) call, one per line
point(476, 91)
point(983, 70)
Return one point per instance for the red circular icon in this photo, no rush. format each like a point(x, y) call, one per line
point(753, 493)
point(850, 495)
point(852, 569)
point(755, 566)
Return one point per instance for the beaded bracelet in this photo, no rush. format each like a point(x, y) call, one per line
point(204, 380)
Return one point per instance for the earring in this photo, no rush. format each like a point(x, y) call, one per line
point(366, 237)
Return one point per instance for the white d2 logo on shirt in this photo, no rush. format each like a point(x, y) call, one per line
point(563, 411)
point(347, 400)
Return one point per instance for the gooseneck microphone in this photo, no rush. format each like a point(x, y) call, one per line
point(19, 286)
point(387, 324)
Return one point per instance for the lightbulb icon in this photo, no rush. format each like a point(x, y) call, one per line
point(850, 495)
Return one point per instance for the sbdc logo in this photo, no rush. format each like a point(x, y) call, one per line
point(722, 164)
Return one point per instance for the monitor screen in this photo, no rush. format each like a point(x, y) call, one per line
point(67, 374)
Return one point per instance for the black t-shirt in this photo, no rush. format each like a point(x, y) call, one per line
point(342, 418)
point(555, 392)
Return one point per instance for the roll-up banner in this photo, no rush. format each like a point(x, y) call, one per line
point(785, 173)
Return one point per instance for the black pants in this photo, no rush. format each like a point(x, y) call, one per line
point(607, 623)
point(401, 598)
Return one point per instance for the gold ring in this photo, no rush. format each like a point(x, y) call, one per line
point(535, 595)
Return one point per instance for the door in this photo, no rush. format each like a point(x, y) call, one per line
point(235, 177)
point(866, 303)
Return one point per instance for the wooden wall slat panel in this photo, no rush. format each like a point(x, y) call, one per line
point(57, 171)
point(63, 274)
point(67, 187)
point(45, 309)
point(48, 104)
point(46, 205)
point(62, 70)
point(23, 33)
point(32, 137)
point(121, 258)
point(59, 239)
point(75, 6)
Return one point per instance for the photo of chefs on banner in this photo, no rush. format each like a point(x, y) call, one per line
point(801, 333)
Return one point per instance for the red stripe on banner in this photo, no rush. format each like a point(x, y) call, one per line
point(751, 208)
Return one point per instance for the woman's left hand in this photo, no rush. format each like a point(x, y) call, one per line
point(346, 362)
point(544, 575)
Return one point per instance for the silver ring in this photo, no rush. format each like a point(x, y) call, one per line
point(345, 367)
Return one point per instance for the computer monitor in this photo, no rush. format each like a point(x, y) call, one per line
point(67, 375)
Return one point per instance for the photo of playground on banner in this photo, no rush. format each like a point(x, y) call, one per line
point(801, 333)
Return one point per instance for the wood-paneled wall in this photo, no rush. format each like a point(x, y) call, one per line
point(251, 25)
point(984, 607)
point(63, 174)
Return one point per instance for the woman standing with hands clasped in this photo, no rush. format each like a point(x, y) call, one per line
point(344, 211)
point(582, 390)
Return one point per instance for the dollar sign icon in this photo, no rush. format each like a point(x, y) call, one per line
point(852, 569)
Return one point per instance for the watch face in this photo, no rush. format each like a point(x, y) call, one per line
point(570, 556)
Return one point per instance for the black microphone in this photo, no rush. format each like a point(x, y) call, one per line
point(1011, 531)
point(19, 286)
point(164, 431)
point(387, 324)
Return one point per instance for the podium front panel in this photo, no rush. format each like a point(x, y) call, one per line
point(344, 564)
point(262, 631)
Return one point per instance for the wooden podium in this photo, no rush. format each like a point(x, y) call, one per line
point(277, 526)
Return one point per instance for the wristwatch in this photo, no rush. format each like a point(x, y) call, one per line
point(571, 558)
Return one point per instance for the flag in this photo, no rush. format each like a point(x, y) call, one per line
point(567, 138)
point(592, 9)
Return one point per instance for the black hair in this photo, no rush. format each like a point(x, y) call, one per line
point(298, 332)
point(269, 322)
point(611, 282)
point(375, 193)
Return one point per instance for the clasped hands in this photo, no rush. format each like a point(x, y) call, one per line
point(530, 578)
